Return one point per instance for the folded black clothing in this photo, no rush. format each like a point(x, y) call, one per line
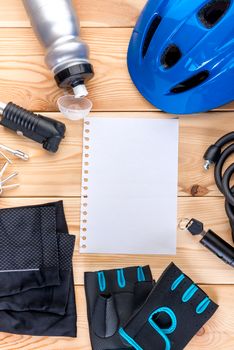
point(48, 299)
point(52, 308)
point(42, 323)
point(28, 250)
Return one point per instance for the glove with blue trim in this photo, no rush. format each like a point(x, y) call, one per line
point(172, 314)
point(112, 297)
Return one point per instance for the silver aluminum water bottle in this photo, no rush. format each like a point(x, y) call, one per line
point(57, 27)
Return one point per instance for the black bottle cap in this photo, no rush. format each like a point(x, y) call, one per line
point(74, 75)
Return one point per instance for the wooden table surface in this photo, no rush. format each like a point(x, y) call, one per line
point(24, 79)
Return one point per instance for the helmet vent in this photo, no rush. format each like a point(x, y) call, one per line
point(171, 56)
point(150, 33)
point(212, 13)
point(190, 83)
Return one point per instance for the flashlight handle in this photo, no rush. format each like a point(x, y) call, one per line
point(219, 247)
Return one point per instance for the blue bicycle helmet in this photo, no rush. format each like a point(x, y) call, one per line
point(180, 55)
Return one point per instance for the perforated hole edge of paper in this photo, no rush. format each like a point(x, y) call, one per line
point(85, 186)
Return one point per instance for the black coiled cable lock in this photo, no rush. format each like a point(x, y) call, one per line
point(216, 155)
point(44, 130)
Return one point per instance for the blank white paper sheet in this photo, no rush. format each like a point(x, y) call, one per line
point(129, 186)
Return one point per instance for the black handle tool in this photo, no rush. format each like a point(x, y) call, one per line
point(44, 130)
point(212, 241)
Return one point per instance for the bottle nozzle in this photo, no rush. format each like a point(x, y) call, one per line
point(80, 91)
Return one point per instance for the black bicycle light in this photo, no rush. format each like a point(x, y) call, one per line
point(49, 132)
point(212, 241)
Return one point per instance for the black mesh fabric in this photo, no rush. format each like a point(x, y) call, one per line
point(49, 310)
point(28, 249)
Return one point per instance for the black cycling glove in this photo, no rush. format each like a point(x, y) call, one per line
point(112, 296)
point(173, 313)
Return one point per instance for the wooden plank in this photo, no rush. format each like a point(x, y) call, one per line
point(60, 174)
point(191, 256)
point(47, 174)
point(26, 80)
point(197, 133)
point(217, 333)
point(105, 13)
